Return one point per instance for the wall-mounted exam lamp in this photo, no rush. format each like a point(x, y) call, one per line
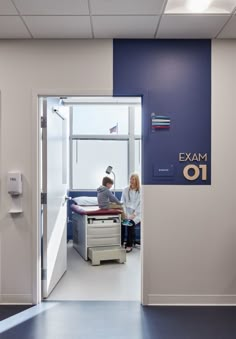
point(109, 171)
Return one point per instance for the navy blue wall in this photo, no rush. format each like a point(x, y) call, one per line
point(174, 79)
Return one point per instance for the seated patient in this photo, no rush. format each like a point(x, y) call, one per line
point(105, 197)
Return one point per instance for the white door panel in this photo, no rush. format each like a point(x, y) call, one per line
point(55, 183)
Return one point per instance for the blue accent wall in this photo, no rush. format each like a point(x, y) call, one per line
point(174, 79)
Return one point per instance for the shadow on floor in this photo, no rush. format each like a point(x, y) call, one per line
point(7, 311)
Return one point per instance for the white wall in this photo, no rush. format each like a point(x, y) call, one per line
point(190, 232)
point(80, 66)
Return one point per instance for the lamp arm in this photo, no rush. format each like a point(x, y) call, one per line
point(114, 182)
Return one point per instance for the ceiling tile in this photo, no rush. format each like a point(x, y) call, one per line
point(126, 7)
point(12, 27)
point(7, 8)
point(190, 26)
point(125, 26)
point(229, 31)
point(59, 27)
point(200, 6)
point(52, 7)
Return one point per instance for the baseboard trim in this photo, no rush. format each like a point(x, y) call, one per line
point(191, 300)
point(16, 299)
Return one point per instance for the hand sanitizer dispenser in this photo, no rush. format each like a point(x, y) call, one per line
point(14, 183)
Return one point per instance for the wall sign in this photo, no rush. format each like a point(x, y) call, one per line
point(174, 79)
point(196, 167)
point(159, 122)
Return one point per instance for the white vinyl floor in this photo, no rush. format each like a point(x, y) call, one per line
point(109, 281)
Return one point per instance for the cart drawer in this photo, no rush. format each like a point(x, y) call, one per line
point(108, 241)
point(103, 231)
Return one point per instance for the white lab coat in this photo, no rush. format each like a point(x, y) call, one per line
point(131, 203)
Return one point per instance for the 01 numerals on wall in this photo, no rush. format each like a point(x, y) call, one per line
point(195, 171)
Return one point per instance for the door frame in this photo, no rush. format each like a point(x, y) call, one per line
point(36, 185)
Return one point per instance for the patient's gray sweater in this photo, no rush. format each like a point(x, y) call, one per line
point(105, 197)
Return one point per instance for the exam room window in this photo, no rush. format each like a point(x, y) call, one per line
point(137, 161)
point(100, 119)
point(102, 135)
point(91, 158)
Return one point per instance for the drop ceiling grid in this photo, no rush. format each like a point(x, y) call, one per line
point(113, 19)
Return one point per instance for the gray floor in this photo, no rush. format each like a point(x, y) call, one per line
point(119, 320)
point(109, 281)
point(7, 311)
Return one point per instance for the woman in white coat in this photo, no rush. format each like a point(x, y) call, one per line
point(132, 209)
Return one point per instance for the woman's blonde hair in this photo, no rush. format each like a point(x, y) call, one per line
point(137, 181)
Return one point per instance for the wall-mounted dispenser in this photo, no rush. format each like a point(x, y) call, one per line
point(14, 188)
point(14, 183)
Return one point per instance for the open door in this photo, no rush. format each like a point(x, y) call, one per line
point(55, 136)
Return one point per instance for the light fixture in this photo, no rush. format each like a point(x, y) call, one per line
point(198, 6)
point(109, 171)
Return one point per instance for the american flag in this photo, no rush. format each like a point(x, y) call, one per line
point(114, 129)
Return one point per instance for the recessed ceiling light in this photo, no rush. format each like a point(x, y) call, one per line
point(200, 6)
